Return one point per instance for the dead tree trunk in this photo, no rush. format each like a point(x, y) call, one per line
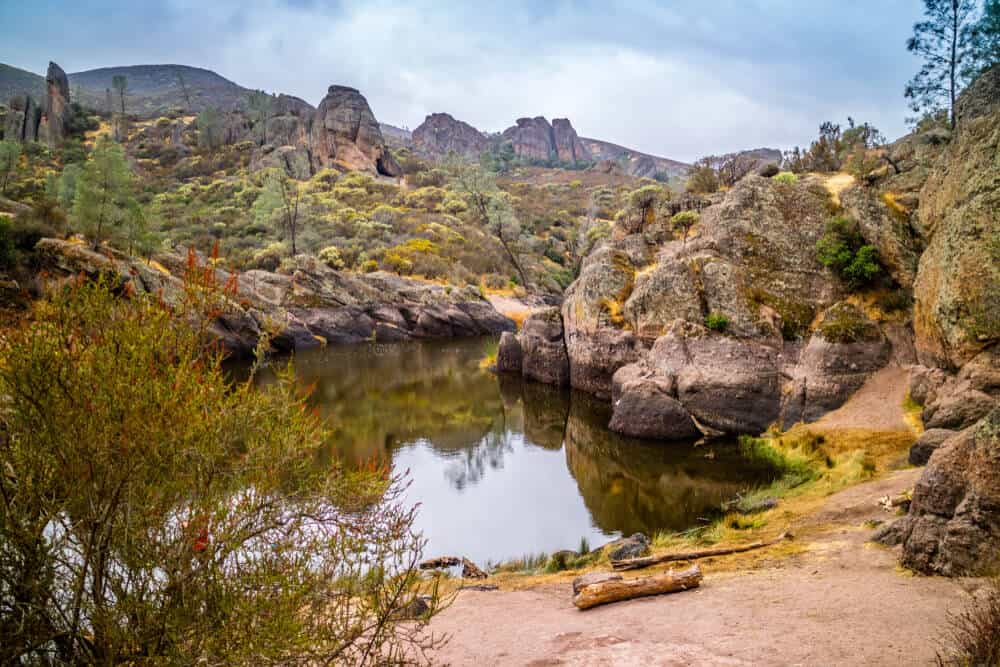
point(647, 561)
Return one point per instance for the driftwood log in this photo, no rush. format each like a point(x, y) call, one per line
point(441, 562)
point(616, 590)
point(647, 561)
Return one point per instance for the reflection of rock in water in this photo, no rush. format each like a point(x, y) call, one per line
point(513, 406)
point(545, 412)
point(379, 396)
point(633, 486)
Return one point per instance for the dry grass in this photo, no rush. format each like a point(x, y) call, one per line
point(835, 184)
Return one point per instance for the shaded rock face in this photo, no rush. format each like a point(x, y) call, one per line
point(345, 131)
point(568, 146)
point(52, 124)
point(648, 408)
point(543, 351)
point(957, 287)
point(440, 134)
point(23, 117)
point(509, 355)
point(953, 527)
point(536, 139)
point(311, 305)
point(927, 443)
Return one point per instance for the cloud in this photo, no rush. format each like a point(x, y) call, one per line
point(679, 79)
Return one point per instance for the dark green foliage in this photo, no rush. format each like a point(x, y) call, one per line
point(985, 40)
point(942, 40)
point(717, 322)
point(79, 121)
point(843, 249)
point(8, 255)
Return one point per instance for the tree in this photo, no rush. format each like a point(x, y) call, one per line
point(734, 166)
point(491, 205)
point(642, 207)
point(120, 83)
point(260, 104)
point(210, 128)
point(985, 40)
point(684, 221)
point(281, 204)
point(943, 41)
point(153, 511)
point(702, 177)
point(103, 199)
point(10, 155)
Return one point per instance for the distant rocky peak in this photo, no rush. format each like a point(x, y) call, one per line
point(536, 139)
point(441, 133)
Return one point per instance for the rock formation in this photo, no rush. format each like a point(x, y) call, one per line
point(23, 116)
point(345, 132)
point(792, 348)
point(536, 139)
point(953, 525)
point(441, 134)
point(307, 306)
point(52, 126)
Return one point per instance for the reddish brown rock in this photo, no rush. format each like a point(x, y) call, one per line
point(345, 132)
point(441, 134)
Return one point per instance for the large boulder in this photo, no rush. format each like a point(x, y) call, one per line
point(953, 526)
point(543, 349)
point(345, 132)
point(509, 356)
point(647, 407)
point(441, 134)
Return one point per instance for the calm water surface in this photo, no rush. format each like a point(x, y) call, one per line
point(502, 468)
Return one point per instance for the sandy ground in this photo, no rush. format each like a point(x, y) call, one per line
point(838, 601)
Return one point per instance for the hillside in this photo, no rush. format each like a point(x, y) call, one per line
point(14, 81)
point(640, 164)
point(152, 89)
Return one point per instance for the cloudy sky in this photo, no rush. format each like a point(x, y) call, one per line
point(679, 78)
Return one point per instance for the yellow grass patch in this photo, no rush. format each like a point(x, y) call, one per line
point(836, 184)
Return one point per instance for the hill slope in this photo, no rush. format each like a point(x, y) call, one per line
point(152, 89)
point(640, 164)
point(14, 81)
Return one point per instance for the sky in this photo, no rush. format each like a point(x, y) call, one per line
point(680, 79)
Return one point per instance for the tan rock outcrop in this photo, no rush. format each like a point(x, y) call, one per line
point(345, 132)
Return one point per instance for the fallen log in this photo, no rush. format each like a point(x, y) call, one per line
point(617, 590)
point(439, 563)
point(647, 561)
point(470, 571)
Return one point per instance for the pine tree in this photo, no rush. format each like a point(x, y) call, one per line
point(103, 201)
point(985, 40)
point(943, 41)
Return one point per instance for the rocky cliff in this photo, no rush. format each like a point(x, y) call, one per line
point(441, 134)
point(52, 122)
point(536, 139)
point(306, 306)
point(793, 345)
point(953, 526)
point(344, 131)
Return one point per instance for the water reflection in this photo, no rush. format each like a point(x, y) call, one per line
point(503, 467)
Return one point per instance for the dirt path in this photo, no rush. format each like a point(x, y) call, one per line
point(838, 601)
point(878, 405)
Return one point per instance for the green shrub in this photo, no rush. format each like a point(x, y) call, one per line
point(786, 177)
point(330, 256)
point(717, 322)
point(155, 512)
point(8, 253)
point(843, 249)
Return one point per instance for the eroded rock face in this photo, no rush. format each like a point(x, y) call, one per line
point(568, 146)
point(23, 117)
point(345, 131)
point(440, 134)
point(509, 356)
point(52, 125)
point(953, 527)
point(308, 306)
point(957, 288)
point(543, 351)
